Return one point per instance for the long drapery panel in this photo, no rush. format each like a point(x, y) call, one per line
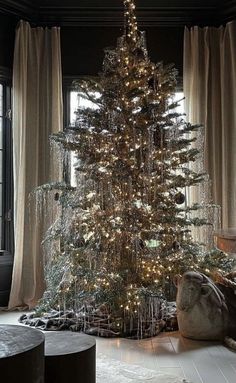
point(210, 91)
point(37, 112)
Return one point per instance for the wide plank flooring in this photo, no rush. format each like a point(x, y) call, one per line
point(197, 361)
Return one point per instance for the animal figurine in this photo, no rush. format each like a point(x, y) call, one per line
point(205, 310)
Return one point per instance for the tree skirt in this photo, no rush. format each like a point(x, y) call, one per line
point(92, 324)
point(114, 371)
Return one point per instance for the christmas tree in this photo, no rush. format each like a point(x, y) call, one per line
point(125, 230)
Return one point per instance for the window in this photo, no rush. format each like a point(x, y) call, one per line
point(6, 168)
point(1, 161)
point(179, 97)
point(75, 102)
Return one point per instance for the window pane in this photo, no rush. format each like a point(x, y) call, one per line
point(0, 200)
point(73, 160)
point(74, 104)
point(179, 97)
point(1, 164)
point(1, 132)
point(77, 102)
point(6, 197)
point(1, 99)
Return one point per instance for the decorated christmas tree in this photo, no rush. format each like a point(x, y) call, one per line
point(127, 227)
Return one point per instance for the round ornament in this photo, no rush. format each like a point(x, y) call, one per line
point(139, 53)
point(141, 244)
point(176, 245)
point(56, 196)
point(179, 198)
point(151, 83)
point(145, 109)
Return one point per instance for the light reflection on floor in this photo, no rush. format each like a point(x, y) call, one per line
point(198, 361)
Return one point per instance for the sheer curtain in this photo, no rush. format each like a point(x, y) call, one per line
point(210, 91)
point(37, 112)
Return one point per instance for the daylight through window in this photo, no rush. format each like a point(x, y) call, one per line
point(77, 103)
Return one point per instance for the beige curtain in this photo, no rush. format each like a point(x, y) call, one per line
point(37, 112)
point(210, 91)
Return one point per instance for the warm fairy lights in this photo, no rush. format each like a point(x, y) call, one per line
point(125, 230)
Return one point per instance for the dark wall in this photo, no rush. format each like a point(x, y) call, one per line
point(7, 37)
point(82, 47)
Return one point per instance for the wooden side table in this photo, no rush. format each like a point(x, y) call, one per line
point(69, 357)
point(226, 240)
point(21, 354)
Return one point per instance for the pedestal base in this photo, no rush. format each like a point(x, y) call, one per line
point(21, 354)
point(69, 357)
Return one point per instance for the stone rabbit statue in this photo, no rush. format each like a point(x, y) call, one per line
point(205, 310)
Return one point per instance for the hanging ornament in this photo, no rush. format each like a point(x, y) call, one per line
point(179, 198)
point(139, 53)
point(56, 196)
point(151, 83)
point(80, 242)
point(176, 245)
point(145, 109)
point(141, 244)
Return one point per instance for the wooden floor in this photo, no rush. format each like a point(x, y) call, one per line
point(199, 362)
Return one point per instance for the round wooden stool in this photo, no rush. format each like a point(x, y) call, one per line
point(69, 357)
point(21, 354)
